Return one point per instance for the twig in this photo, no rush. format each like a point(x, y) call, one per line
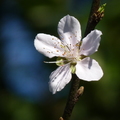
point(73, 97)
point(96, 14)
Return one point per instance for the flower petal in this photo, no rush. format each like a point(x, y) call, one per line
point(89, 70)
point(59, 78)
point(49, 45)
point(90, 43)
point(69, 30)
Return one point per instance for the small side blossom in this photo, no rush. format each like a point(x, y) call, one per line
point(72, 53)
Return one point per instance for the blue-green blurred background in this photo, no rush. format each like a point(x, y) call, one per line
point(24, 91)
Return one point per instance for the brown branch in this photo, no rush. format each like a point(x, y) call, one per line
point(73, 97)
point(95, 16)
point(75, 92)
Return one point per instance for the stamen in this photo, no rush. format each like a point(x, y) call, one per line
point(50, 61)
point(48, 51)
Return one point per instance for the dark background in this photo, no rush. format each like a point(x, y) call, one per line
point(24, 91)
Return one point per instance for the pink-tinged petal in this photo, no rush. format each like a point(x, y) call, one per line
point(89, 70)
point(49, 45)
point(69, 30)
point(59, 78)
point(90, 43)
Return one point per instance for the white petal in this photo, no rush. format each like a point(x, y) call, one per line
point(89, 70)
point(69, 30)
point(59, 78)
point(49, 45)
point(90, 43)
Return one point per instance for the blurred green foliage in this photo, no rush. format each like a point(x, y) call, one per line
point(100, 100)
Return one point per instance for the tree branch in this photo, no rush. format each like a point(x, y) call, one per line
point(95, 16)
point(73, 97)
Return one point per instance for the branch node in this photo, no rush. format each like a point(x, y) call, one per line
point(79, 93)
point(98, 15)
point(61, 118)
point(80, 90)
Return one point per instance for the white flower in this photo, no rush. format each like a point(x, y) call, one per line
point(72, 53)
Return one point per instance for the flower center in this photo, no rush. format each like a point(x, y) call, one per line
point(71, 55)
